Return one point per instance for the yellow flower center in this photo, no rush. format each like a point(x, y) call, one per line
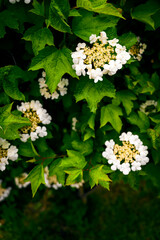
point(3, 153)
point(2, 190)
point(34, 119)
point(126, 153)
point(135, 49)
point(21, 179)
point(99, 55)
point(52, 179)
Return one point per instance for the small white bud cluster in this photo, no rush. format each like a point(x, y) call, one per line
point(60, 91)
point(74, 121)
point(19, 181)
point(7, 152)
point(105, 57)
point(148, 103)
point(4, 192)
point(137, 50)
point(77, 185)
point(36, 114)
point(129, 157)
point(51, 181)
point(14, 1)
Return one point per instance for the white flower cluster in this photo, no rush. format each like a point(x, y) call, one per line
point(19, 181)
point(37, 115)
point(60, 91)
point(51, 182)
point(4, 192)
point(74, 121)
point(14, 1)
point(77, 185)
point(137, 50)
point(104, 57)
point(131, 156)
point(7, 152)
point(150, 104)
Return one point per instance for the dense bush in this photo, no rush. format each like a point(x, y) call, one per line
point(79, 96)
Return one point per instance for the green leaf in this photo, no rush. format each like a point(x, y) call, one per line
point(128, 39)
point(7, 19)
point(74, 159)
point(9, 123)
point(154, 135)
point(39, 37)
point(93, 92)
point(85, 148)
point(36, 177)
point(53, 61)
point(87, 24)
point(155, 118)
point(97, 175)
point(58, 13)
point(88, 134)
point(90, 3)
point(38, 8)
point(91, 121)
point(111, 113)
point(26, 150)
point(56, 169)
point(125, 97)
point(140, 120)
point(74, 13)
point(73, 175)
point(10, 75)
point(152, 172)
point(144, 12)
point(99, 7)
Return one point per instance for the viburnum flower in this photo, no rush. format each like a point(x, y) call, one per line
point(37, 115)
point(128, 157)
point(60, 91)
point(77, 185)
point(19, 181)
point(14, 1)
point(103, 57)
point(4, 192)
point(51, 182)
point(148, 107)
point(137, 50)
point(7, 152)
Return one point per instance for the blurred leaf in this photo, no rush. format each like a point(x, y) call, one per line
point(88, 134)
point(7, 19)
point(140, 120)
point(144, 12)
point(128, 39)
point(10, 75)
point(125, 97)
point(85, 147)
point(38, 8)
